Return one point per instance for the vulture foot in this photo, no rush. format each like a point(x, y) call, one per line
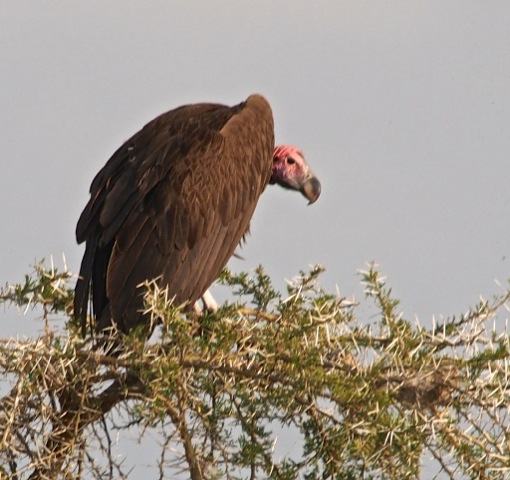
point(208, 303)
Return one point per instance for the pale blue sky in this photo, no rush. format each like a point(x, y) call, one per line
point(401, 107)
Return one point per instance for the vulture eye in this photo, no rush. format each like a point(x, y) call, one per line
point(290, 161)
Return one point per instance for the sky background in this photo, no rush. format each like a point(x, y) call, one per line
point(402, 109)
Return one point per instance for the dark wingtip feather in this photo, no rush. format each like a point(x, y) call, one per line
point(82, 289)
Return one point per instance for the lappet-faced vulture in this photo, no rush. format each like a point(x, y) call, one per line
point(173, 203)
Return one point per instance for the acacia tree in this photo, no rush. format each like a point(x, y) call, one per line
point(377, 400)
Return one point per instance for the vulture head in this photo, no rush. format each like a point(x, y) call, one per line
point(291, 171)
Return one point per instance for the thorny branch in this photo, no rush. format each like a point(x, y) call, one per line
point(363, 399)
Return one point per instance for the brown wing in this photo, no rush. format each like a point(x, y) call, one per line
point(172, 203)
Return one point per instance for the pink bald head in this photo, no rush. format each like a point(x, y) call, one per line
point(290, 170)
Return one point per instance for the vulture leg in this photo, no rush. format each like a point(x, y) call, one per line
point(208, 303)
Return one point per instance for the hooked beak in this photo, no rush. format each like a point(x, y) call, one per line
point(311, 188)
